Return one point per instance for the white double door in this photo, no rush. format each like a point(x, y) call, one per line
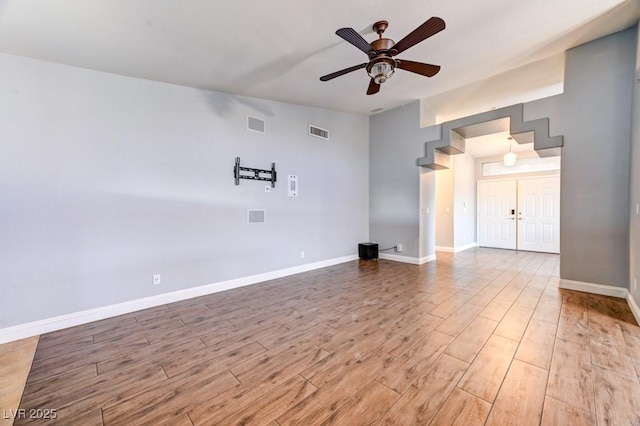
point(520, 214)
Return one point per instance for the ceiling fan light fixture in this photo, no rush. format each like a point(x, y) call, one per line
point(381, 71)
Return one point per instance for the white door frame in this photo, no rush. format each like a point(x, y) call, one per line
point(516, 178)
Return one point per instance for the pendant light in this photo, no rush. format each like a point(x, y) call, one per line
point(510, 157)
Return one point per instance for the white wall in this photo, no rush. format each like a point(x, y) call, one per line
point(464, 205)
point(634, 194)
point(444, 201)
point(455, 203)
point(106, 180)
point(535, 80)
point(427, 208)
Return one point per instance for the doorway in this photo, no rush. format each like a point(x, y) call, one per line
point(520, 214)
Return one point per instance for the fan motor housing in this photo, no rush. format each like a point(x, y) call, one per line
point(382, 44)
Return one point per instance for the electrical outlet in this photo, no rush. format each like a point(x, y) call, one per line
point(301, 255)
point(399, 248)
point(156, 279)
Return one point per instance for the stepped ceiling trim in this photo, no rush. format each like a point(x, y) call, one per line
point(453, 134)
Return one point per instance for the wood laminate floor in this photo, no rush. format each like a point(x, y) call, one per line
point(15, 363)
point(480, 337)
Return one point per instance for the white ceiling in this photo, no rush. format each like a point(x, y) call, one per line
point(278, 49)
point(496, 144)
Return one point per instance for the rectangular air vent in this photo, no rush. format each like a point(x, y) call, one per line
point(255, 124)
point(256, 216)
point(318, 132)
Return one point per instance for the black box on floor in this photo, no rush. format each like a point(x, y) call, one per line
point(368, 251)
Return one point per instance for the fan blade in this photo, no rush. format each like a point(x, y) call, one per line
point(373, 87)
point(418, 67)
point(352, 36)
point(430, 27)
point(342, 72)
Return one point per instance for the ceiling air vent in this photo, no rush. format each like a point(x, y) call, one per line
point(255, 124)
point(256, 216)
point(318, 132)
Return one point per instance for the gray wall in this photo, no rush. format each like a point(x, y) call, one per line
point(634, 222)
point(394, 184)
point(106, 180)
point(593, 115)
point(398, 196)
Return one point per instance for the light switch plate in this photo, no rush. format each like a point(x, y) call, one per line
point(292, 185)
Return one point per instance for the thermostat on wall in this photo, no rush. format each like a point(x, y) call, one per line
point(292, 185)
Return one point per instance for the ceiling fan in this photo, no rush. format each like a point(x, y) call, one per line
point(381, 63)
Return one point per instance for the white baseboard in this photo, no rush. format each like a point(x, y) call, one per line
point(426, 259)
point(406, 259)
point(456, 249)
point(444, 249)
point(396, 258)
point(634, 307)
point(604, 290)
point(35, 328)
point(465, 247)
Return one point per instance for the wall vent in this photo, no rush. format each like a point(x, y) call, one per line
point(255, 124)
point(256, 216)
point(318, 132)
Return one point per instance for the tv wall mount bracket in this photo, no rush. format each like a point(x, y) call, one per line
point(255, 174)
